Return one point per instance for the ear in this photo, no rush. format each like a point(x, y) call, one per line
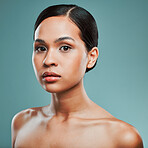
point(92, 57)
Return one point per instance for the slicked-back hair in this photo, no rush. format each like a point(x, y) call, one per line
point(81, 17)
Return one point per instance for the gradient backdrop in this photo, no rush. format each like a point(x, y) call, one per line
point(119, 83)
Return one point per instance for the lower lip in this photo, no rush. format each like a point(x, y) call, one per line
point(51, 79)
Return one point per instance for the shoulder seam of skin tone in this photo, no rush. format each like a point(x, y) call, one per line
point(22, 116)
point(130, 138)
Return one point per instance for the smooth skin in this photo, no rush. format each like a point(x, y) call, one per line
point(72, 120)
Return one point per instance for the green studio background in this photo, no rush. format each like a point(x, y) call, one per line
point(119, 83)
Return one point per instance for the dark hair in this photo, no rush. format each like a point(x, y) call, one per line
point(81, 17)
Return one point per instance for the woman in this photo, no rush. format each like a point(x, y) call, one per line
point(65, 48)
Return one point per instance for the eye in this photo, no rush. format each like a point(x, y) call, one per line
point(65, 48)
point(40, 49)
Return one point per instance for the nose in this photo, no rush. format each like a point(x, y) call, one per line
point(50, 59)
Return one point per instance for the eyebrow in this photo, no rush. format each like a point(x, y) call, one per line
point(64, 38)
point(57, 40)
point(40, 41)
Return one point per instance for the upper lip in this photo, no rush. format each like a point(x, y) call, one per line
point(45, 74)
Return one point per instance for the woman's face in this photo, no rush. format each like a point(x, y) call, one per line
point(58, 48)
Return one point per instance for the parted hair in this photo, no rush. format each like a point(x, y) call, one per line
point(81, 17)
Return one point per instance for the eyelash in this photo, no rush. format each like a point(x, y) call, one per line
point(68, 47)
point(40, 48)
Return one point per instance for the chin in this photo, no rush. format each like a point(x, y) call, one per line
point(53, 89)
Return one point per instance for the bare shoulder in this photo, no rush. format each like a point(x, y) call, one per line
point(125, 135)
point(22, 117)
point(19, 121)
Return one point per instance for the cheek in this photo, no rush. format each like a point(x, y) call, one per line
point(37, 62)
point(77, 65)
point(82, 61)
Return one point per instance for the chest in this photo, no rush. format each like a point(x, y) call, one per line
point(57, 136)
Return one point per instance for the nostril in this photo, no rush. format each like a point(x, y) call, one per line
point(44, 63)
point(50, 59)
point(47, 64)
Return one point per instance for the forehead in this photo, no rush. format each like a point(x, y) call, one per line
point(55, 27)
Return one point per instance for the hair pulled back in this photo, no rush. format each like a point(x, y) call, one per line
point(81, 17)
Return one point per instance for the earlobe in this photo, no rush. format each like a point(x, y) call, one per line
point(92, 57)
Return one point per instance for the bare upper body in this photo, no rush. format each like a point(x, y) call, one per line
point(60, 59)
point(32, 128)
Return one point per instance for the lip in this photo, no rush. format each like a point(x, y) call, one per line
point(50, 76)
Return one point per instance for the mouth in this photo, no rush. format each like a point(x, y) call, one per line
point(50, 76)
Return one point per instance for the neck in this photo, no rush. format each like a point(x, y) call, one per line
point(70, 102)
